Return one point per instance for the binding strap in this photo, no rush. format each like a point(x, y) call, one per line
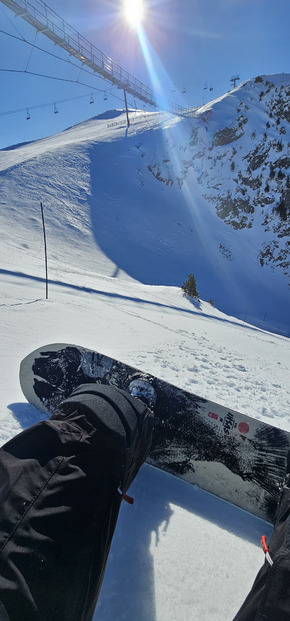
point(126, 497)
point(266, 549)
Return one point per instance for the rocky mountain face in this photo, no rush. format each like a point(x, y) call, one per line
point(239, 151)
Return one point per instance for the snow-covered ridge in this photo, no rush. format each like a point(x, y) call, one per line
point(165, 197)
point(244, 164)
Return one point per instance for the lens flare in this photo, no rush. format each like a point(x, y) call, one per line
point(133, 10)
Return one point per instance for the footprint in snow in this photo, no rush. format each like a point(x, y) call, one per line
point(239, 367)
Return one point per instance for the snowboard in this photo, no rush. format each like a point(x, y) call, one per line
point(229, 454)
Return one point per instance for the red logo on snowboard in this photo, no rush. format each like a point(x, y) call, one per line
point(213, 415)
point(244, 428)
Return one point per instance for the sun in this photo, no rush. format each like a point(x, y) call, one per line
point(134, 12)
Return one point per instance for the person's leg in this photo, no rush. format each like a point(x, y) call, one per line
point(269, 598)
point(60, 492)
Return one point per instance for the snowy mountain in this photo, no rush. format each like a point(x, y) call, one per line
point(168, 196)
point(119, 237)
point(244, 164)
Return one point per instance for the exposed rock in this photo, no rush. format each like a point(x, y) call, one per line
point(227, 135)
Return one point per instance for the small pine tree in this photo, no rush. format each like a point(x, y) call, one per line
point(189, 287)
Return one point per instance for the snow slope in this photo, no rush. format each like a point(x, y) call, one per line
point(134, 200)
point(178, 553)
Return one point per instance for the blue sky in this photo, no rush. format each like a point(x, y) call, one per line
point(192, 44)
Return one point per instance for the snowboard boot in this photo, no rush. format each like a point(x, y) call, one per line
point(142, 387)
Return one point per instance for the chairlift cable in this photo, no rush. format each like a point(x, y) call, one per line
point(12, 24)
point(66, 60)
point(31, 52)
point(45, 105)
point(68, 99)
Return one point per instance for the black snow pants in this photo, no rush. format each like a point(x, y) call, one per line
point(269, 598)
point(61, 485)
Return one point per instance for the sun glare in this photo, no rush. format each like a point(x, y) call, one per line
point(133, 12)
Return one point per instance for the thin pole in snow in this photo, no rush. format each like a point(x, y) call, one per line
point(45, 253)
point(127, 112)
